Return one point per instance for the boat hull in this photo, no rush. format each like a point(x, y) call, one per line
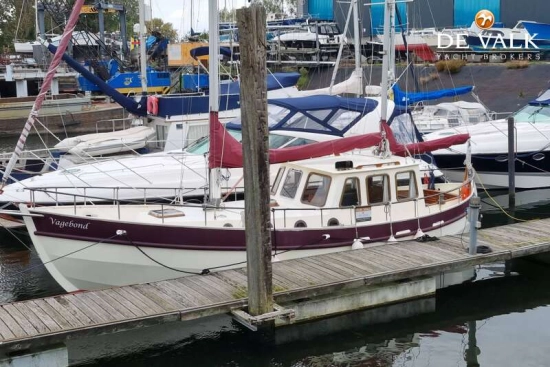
point(85, 252)
point(532, 169)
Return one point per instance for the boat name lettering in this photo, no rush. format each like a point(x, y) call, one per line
point(69, 224)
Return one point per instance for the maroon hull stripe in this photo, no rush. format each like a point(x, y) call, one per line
point(228, 239)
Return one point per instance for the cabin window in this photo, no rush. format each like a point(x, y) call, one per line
point(378, 189)
point(406, 185)
point(350, 194)
point(277, 141)
point(316, 190)
point(342, 119)
point(292, 181)
point(320, 114)
point(301, 121)
point(298, 142)
point(277, 180)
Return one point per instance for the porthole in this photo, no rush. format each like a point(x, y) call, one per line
point(228, 225)
point(501, 158)
point(538, 157)
point(300, 224)
point(333, 222)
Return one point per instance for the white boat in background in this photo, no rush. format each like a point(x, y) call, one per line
point(89, 145)
point(430, 118)
point(489, 150)
point(183, 174)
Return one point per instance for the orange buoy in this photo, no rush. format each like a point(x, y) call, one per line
point(153, 105)
point(465, 191)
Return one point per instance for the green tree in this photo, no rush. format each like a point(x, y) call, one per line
point(16, 22)
point(166, 29)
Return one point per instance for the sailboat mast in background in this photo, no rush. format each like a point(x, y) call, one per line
point(142, 47)
point(214, 90)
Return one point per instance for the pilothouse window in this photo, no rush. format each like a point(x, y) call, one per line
point(378, 189)
point(277, 180)
point(292, 181)
point(316, 190)
point(406, 185)
point(350, 193)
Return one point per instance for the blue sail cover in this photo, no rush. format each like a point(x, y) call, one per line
point(402, 98)
point(176, 105)
point(542, 100)
point(129, 104)
point(323, 114)
point(203, 51)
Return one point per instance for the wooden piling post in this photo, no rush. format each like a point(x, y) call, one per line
point(251, 23)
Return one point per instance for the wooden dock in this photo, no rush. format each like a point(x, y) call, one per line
point(52, 320)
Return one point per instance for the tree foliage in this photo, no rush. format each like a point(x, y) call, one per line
point(17, 22)
point(166, 29)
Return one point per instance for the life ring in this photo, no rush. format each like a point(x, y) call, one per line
point(153, 105)
point(465, 191)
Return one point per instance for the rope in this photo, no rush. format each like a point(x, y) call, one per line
point(497, 205)
point(63, 256)
point(203, 272)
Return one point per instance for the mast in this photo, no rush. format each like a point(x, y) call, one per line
point(389, 7)
point(56, 60)
point(357, 46)
point(214, 91)
point(142, 48)
point(358, 72)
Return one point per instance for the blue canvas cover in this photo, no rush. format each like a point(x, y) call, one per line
point(317, 114)
point(203, 51)
point(402, 98)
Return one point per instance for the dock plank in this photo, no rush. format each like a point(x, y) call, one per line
point(311, 274)
point(354, 269)
point(139, 304)
point(186, 296)
point(298, 276)
point(326, 273)
point(132, 310)
point(48, 315)
point(68, 311)
point(10, 322)
point(142, 300)
point(21, 319)
point(364, 262)
point(219, 285)
point(201, 286)
point(111, 306)
point(36, 322)
point(162, 299)
point(5, 331)
point(85, 309)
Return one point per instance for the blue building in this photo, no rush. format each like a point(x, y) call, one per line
point(429, 13)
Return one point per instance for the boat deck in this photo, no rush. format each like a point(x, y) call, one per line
point(53, 319)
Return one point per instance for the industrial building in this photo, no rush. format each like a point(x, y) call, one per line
point(428, 13)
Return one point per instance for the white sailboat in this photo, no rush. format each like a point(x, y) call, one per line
point(319, 206)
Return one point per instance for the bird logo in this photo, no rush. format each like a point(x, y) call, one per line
point(485, 19)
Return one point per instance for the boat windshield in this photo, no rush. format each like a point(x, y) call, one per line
point(202, 145)
point(533, 114)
